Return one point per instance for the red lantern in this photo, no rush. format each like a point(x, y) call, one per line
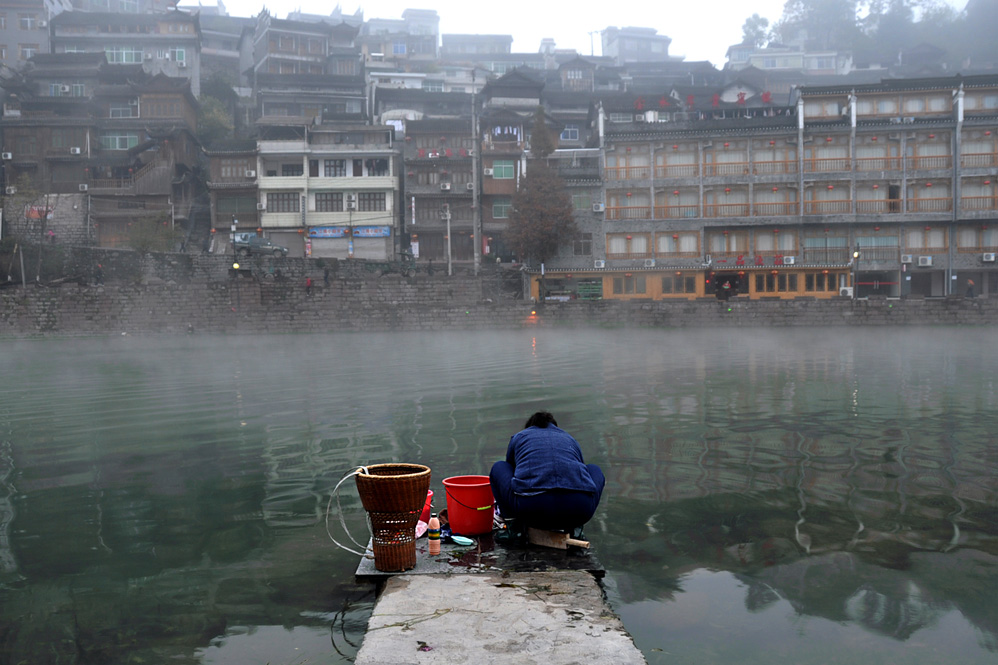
point(259, 230)
point(987, 133)
point(873, 138)
point(214, 231)
point(932, 136)
point(675, 192)
point(675, 236)
point(628, 195)
point(408, 139)
point(928, 184)
point(876, 228)
point(828, 139)
point(776, 230)
point(987, 182)
point(772, 143)
point(628, 148)
point(675, 147)
point(727, 190)
point(928, 228)
point(775, 188)
point(725, 232)
point(831, 187)
point(876, 186)
point(726, 145)
point(301, 231)
point(628, 237)
point(627, 274)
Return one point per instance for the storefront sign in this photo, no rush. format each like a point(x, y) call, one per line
point(328, 232)
point(372, 231)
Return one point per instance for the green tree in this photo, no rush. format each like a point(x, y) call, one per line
point(820, 24)
point(542, 216)
point(755, 31)
point(214, 121)
point(153, 233)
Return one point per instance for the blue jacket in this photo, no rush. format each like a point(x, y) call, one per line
point(546, 458)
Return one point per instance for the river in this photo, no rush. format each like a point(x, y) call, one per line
point(799, 495)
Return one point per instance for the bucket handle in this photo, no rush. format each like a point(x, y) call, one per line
point(460, 503)
point(367, 553)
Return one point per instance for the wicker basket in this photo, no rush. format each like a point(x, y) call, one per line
point(393, 496)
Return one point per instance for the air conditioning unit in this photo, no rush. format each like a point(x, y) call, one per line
point(924, 261)
point(846, 291)
point(471, 153)
point(148, 56)
point(261, 206)
point(789, 260)
point(43, 24)
point(75, 151)
point(487, 172)
point(84, 187)
point(351, 198)
point(65, 89)
point(599, 207)
point(7, 155)
point(649, 263)
point(11, 191)
point(470, 186)
point(906, 258)
point(250, 173)
point(989, 257)
point(444, 215)
point(895, 121)
point(133, 102)
point(908, 119)
point(351, 205)
point(182, 64)
point(599, 263)
point(445, 187)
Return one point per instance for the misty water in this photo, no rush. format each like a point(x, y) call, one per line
point(799, 495)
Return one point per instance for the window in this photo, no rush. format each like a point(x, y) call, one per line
point(930, 239)
point(3, 51)
point(679, 284)
point(234, 205)
point(177, 54)
point(233, 168)
point(501, 207)
point(27, 21)
point(74, 48)
point(582, 201)
point(118, 141)
point(433, 86)
point(67, 138)
point(79, 90)
point(292, 170)
point(283, 202)
point(574, 74)
point(129, 6)
point(329, 202)
point(398, 48)
point(621, 117)
point(821, 281)
point(371, 201)
point(334, 168)
point(570, 133)
point(123, 54)
point(3, 21)
point(26, 144)
point(781, 282)
point(629, 285)
point(27, 51)
point(119, 110)
point(583, 245)
point(503, 169)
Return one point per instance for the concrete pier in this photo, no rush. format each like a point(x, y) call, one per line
point(491, 604)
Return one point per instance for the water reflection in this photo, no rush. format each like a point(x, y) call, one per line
point(797, 493)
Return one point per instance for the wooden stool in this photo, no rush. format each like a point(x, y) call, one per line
point(554, 539)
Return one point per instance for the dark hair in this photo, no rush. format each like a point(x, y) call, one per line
point(541, 419)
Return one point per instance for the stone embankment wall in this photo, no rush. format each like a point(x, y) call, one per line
point(247, 305)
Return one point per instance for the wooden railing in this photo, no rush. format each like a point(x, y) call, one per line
point(931, 162)
point(930, 205)
point(825, 255)
point(629, 255)
point(821, 164)
point(676, 170)
point(878, 163)
point(837, 207)
point(871, 206)
point(674, 211)
point(775, 168)
point(879, 254)
point(628, 212)
point(627, 172)
point(979, 203)
point(727, 168)
point(979, 159)
point(112, 183)
point(774, 209)
point(726, 210)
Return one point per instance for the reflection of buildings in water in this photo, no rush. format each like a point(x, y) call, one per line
point(8, 563)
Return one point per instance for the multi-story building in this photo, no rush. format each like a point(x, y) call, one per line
point(232, 191)
point(113, 140)
point(632, 44)
point(124, 6)
point(329, 191)
point(163, 43)
point(24, 28)
point(883, 189)
point(440, 189)
point(414, 38)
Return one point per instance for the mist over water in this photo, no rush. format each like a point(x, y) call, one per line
point(822, 497)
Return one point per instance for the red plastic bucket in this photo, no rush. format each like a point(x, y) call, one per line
point(425, 515)
point(469, 504)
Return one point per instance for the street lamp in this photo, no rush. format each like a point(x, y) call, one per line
point(855, 272)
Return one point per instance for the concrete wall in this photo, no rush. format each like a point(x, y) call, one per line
point(368, 303)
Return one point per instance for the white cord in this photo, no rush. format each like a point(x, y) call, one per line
point(336, 493)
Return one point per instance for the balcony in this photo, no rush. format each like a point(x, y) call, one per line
point(775, 209)
point(676, 211)
point(727, 168)
point(677, 171)
point(979, 203)
point(836, 207)
point(942, 204)
point(878, 163)
point(878, 206)
point(628, 212)
point(508, 147)
point(930, 162)
point(627, 172)
point(726, 210)
point(780, 167)
point(827, 255)
point(879, 254)
point(825, 164)
point(979, 160)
